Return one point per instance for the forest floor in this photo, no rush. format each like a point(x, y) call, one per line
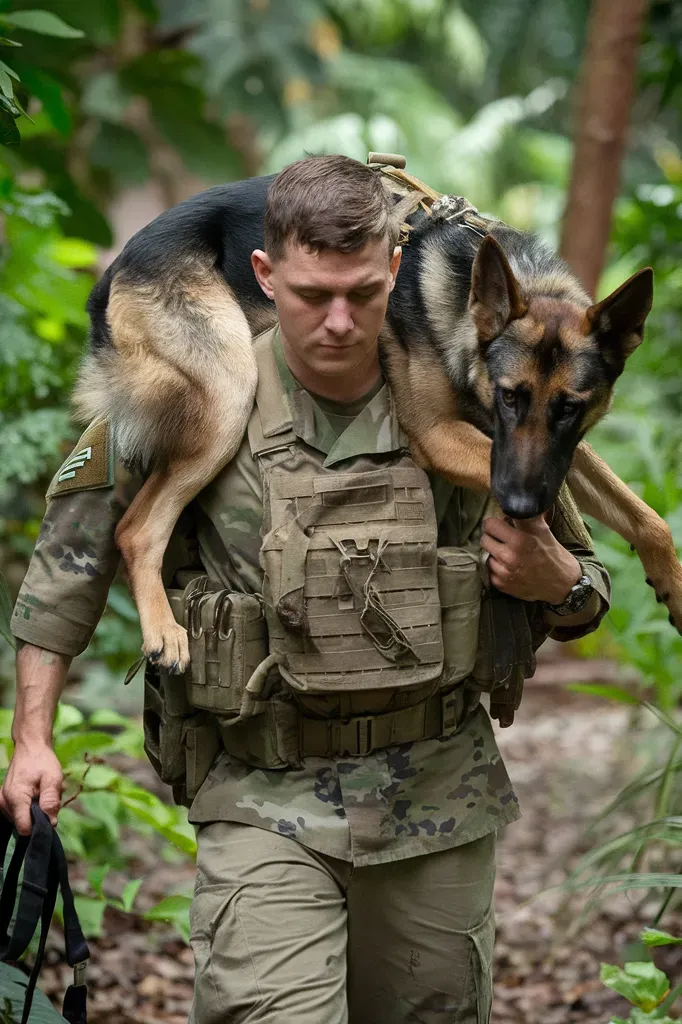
point(568, 755)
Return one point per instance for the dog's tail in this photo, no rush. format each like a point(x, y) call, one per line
point(171, 364)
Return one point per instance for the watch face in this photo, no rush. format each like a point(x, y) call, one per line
point(577, 597)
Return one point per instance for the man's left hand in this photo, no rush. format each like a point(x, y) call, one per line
point(527, 561)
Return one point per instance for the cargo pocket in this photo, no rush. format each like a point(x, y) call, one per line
point(459, 590)
point(481, 975)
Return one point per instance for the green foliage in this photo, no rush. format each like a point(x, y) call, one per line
point(644, 986)
point(12, 992)
point(99, 802)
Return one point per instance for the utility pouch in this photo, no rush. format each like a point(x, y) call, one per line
point(227, 642)
point(180, 741)
point(164, 714)
point(459, 589)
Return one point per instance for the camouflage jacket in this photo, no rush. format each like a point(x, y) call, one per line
point(394, 803)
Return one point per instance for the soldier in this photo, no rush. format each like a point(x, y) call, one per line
point(341, 773)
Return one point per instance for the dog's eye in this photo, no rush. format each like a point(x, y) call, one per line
point(508, 397)
point(570, 409)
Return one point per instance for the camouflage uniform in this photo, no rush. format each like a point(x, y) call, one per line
point(395, 803)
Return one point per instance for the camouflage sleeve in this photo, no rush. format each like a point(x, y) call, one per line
point(64, 592)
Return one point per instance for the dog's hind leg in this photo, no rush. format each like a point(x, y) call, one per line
point(600, 493)
point(177, 381)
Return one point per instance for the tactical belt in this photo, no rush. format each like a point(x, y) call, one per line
point(45, 873)
point(359, 735)
point(283, 735)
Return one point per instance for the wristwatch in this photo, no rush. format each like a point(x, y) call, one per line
point(576, 599)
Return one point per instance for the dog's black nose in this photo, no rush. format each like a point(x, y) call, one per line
point(521, 505)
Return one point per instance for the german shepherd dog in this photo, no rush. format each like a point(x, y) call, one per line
point(498, 360)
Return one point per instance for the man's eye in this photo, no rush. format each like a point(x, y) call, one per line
point(312, 297)
point(508, 397)
point(362, 296)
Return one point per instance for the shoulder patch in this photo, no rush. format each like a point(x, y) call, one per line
point(90, 464)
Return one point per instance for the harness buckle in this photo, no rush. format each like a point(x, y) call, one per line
point(79, 972)
point(352, 737)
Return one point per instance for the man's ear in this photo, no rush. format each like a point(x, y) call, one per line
point(262, 268)
point(495, 297)
point(618, 320)
point(394, 265)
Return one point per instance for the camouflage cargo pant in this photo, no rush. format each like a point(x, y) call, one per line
point(282, 934)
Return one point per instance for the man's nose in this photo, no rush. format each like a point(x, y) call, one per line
point(339, 320)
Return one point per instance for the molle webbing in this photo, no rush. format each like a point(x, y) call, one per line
point(351, 585)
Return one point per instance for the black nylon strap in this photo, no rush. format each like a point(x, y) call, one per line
point(45, 872)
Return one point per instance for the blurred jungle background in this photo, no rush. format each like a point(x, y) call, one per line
point(559, 116)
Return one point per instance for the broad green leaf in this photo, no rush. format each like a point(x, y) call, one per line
point(174, 909)
point(10, 71)
point(642, 983)
point(104, 807)
point(96, 876)
point(91, 914)
point(13, 987)
point(130, 891)
point(74, 748)
point(45, 23)
point(656, 937)
point(100, 777)
point(67, 717)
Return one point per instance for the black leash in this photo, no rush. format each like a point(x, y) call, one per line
point(45, 873)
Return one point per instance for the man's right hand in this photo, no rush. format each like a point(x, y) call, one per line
point(34, 771)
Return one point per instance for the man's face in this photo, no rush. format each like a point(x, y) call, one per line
point(331, 305)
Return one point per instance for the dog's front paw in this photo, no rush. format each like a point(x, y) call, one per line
point(167, 647)
point(668, 591)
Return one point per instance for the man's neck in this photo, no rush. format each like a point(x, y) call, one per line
point(344, 388)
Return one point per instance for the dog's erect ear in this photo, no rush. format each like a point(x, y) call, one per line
point(495, 297)
point(618, 320)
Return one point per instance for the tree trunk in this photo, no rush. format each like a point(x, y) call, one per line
point(606, 91)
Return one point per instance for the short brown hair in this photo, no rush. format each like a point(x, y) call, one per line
point(328, 202)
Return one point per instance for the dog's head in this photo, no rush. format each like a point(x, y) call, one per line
point(551, 363)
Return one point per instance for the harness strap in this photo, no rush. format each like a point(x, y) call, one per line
point(45, 873)
point(434, 204)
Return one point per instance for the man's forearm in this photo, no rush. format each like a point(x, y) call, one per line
point(41, 676)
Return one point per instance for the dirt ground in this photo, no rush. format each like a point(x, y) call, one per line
point(568, 755)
